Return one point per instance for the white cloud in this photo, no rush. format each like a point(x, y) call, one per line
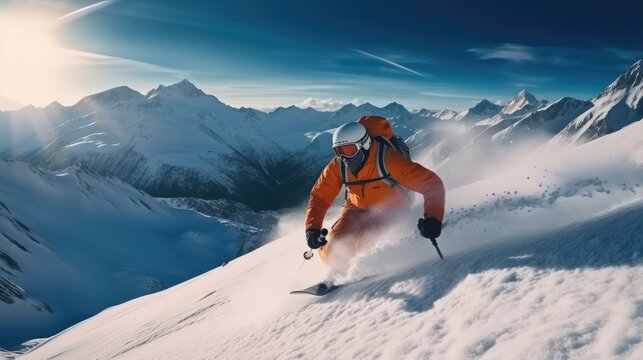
point(327, 104)
point(512, 52)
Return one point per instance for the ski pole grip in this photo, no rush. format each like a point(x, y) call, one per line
point(309, 254)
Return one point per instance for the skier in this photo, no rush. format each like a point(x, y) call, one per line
point(377, 177)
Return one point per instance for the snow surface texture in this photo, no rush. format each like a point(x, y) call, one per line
point(73, 243)
point(543, 261)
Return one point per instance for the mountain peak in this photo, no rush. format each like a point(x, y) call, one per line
point(524, 94)
point(54, 106)
point(397, 107)
point(485, 106)
point(629, 79)
point(523, 100)
point(110, 97)
point(182, 88)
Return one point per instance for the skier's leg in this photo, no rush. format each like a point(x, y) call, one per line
point(376, 223)
point(343, 236)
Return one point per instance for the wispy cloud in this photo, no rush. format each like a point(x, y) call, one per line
point(84, 11)
point(625, 54)
point(389, 62)
point(286, 88)
point(83, 58)
point(511, 52)
point(556, 56)
point(327, 104)
point(527, 81)
point(452, 96)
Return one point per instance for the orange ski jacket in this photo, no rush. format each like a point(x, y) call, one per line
point(376, 195)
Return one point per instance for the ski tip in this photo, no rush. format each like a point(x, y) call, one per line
point(314, 290)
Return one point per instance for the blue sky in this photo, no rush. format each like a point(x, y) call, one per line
point(264, 53)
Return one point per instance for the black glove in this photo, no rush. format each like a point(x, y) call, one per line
point(314, 240)
point(430, 228)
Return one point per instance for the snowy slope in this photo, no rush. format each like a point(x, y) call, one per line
point(543, 260)
point(620, 104)
point(73, 243)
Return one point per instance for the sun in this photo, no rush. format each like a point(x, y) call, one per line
point(30, 59)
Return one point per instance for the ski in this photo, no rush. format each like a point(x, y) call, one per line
point(317, 289)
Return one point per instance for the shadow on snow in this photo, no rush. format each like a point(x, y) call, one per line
point(612, 240)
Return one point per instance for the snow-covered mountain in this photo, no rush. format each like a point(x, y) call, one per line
point(446, 114)
point(425, 112)
point(107, 99)
point(7, 104)
point(523, 103)
point(30, 123)
point(76, 242)
point(176, 141)
point(620, 104)
point(483, 110)
point(543, 261)
point(546, 122)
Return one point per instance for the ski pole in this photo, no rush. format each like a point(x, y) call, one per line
point(437, 248)
point(309, 254)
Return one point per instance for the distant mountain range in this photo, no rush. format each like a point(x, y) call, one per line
point(177, 141)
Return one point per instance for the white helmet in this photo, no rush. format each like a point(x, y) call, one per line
point(350, 138)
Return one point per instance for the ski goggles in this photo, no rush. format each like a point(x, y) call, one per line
point(347, 151)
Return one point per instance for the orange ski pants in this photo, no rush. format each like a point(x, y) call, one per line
point(352, 227)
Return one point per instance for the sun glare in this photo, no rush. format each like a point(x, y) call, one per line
point(30, 60)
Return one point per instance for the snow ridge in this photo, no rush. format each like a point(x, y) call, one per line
point(617, 106)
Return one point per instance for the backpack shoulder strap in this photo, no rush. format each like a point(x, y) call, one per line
point(343, 171)
point(382, 149)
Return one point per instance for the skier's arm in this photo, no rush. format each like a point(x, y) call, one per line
point(416, 177)
point(322, 195)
